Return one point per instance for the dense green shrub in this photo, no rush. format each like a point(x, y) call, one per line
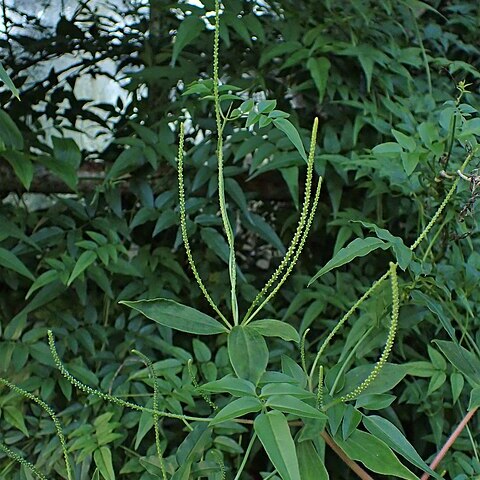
point(393, 129)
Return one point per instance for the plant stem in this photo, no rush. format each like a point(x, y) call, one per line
point(245, 458)
point(347, 360)
point(232, 267)
point(328, 440)
point(449, 442)
point(351, 464)
point(424, 53)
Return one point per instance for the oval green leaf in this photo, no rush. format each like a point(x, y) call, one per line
point(387, 148)
point(238, 387)
point(237, 408)
point(248, 353)
point(177, 316)
point(275, 328)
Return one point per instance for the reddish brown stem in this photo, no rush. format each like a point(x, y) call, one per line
point(352, 465)
point(449, 442)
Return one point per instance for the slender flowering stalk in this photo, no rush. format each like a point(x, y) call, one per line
point(300, 226)
point(302, 350)
point(183, 227)
point(17, 458)
point(442, 206)
point(110, 398)
point(51, 414)
point(367, 294)
point(342, 321)
point(390, 339)
point(221, 464)
point(295, 257)
point(153, 376)
point(198, 387)
point(320, 388)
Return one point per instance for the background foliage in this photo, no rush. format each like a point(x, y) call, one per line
point(100, 223)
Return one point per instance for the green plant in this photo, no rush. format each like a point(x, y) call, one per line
point(92, 249)
point(247, 349)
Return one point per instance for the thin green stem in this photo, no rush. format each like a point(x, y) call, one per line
point(434, 239)
point(271, 475)
point(232, 267)
point(452, 138)
point(442, 206)
point(183, 228)
point(424, 53)
point(198, 387)
point(245, 457)
point(302, 350)
point(469, 433)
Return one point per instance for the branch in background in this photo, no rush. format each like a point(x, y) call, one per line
point(271, 184)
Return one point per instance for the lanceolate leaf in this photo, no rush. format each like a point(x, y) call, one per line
point(319, 68)
point(103, 461)
point(83, 262)
point(281, 388)
point(384, 430)
point(291, 132)
point(402, 252)
point(9, 132)
point(237, 387)
point(248, 353)
point(463, 360)
point(374, 454)
point(274, 433)
point(188, 31)
point(177, 316)
point(10, 261)
point(237, 408)
point(275, 328)
point(5, 78)
point(290, 404)
point(358, 248)
point(22, 166)
point(311, 465)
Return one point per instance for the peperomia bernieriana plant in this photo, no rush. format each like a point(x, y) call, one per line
point(292, 412)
